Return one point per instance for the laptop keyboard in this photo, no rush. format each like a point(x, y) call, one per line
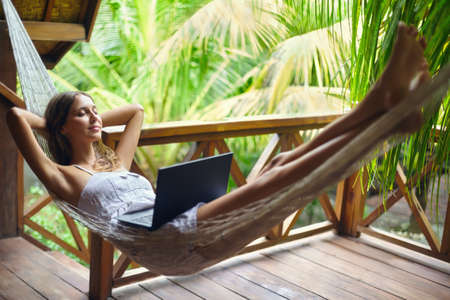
point(144, 219)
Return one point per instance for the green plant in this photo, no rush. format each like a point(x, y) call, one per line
point(51, 218)
point(207, 60)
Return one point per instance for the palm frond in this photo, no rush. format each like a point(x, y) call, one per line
point(249, 24)
point(296, 100)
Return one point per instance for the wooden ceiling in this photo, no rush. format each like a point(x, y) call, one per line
point(55, 25)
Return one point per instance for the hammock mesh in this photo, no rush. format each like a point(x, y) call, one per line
point(170, 252)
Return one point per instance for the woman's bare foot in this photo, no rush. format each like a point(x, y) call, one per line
point(406, 63)
point(414, 120)
point(406, 70)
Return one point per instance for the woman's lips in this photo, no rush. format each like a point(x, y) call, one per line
point(95, 128)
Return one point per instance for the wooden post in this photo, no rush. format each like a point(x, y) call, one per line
point(101, 268)
point(11, 165)
point(350, 201)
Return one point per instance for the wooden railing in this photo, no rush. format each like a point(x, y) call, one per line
point(437, 248)
point(207, 138)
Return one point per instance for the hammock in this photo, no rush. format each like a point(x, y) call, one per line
point(170, 252)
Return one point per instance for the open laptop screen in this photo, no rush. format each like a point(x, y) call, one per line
point(182, 186)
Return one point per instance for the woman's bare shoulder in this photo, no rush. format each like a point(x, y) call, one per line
point(67, 183)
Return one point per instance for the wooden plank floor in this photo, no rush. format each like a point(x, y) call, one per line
point(322, 267)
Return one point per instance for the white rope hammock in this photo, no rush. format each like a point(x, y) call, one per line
point(170, 252)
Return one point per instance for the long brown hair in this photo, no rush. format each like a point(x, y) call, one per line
point(59, 146)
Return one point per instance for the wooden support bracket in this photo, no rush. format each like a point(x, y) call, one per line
point(417, 210)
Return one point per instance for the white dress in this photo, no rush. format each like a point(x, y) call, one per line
point(112, 194)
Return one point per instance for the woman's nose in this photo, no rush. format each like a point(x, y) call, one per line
point(94, 117)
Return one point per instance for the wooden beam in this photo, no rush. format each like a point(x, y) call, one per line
point(328, 208)
point(383, 207)
point(209, 149)
point(268, 153)
point(37, 206)
point(51, 236)
point(417, 210)
point(236, 172)
point(129, 279)
point(10, 95)
point(35, 242)
point(76, 234)
point(409, 244)
point(294, 234)
point(54, 31)
point(88, 14)
point(445, 245)
point(395, 196)
point(188, 131)
point(51, 58)
point(120, 266)
point(48, 10)
point(290, 221)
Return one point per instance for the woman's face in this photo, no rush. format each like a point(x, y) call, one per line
point(83, 124)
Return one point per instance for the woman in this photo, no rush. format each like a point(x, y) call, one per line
point(74, 130)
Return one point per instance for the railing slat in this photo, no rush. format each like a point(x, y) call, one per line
point(47, 234)
point(445, 245)
point(120, 266)
point(236, 172)
point(195, 151)
point(382, 208)
point(37, 206)
point(267, 154)
point(129, 279)
point(409, 244)
point(328, 208)
point(397, 195)
point(295, 234)
point(417, 210)
point(76, 234)
point(290, 221)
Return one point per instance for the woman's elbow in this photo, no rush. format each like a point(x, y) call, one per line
point(139, 108)
point(12, 116)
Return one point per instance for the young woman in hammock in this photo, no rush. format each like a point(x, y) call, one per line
point(83, 170)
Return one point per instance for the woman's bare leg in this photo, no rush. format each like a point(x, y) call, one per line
point(407, 62)
point(391, 87)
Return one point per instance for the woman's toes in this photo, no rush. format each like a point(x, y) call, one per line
point(422, 42)
point(412, 30)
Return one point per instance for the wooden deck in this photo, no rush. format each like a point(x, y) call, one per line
point(323, 267)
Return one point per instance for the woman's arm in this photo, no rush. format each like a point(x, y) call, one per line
point(132, 116)
point(21, 124)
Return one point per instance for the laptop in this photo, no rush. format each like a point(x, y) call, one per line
point(182, 186)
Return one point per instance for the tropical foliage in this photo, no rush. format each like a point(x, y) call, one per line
point(215, 59)
point(203, 59)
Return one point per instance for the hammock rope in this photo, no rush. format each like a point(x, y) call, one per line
point(170, 252)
